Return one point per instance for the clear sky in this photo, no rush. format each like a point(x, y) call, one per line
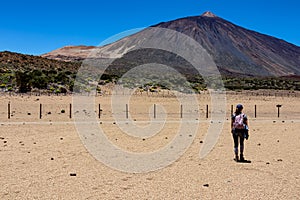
point(36, 27)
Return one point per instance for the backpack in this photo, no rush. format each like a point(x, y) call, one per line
point(239, 121)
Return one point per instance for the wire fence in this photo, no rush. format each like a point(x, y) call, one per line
point(61, 112)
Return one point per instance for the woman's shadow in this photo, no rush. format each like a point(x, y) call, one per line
point(244, 161)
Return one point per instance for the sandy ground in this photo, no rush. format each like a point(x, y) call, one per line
point(39, 158)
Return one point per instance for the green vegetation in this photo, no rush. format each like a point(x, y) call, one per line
point(23, 73)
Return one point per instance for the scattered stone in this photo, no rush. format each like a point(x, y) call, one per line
point(283, 121)
point(114, 122)
point(61, 138)
point(277, 140)
point(73, 174)
point(201, 141)
point(166, 138)
point(28, 113)
point(134, 119)
point(34, 143)
point(279, 160)
point(116, 139)
point(100, 122)
point(52, 158)
point(206, 185)
point(144, 139)
point(274, 121)
point(28, 152)
point(258, 144)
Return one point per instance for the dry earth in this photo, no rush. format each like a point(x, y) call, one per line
point(45, 158)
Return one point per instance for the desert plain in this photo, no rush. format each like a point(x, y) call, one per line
point(43, 157)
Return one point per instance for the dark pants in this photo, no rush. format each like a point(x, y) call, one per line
point(238, 137)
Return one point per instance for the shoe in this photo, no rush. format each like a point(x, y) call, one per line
point(242, 158)
point(236, 159)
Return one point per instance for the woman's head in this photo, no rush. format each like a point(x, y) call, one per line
point(239, 107)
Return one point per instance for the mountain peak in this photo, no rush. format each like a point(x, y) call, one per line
point(208, 14)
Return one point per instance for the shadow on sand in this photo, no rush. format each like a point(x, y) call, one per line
point(242, 161)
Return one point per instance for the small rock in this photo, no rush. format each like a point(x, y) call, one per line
point(4, 141)
point(2, 138)
point(28, 113)
point(274, 121)
point(201, 141)
point(100, 122)
point(144, 139)
point(206, 185)
point(49, 113)
point(277, 140)
point(279, 160)
point(52, 158)
point(73, 174)
point(166, 138)
point(190, 135)
point(114, 123)
point(258, 144)
point(283, 121)
point(267, 163)
point(61, 138)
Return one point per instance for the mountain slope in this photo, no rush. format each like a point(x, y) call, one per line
point(238, 50)
point(235, 50)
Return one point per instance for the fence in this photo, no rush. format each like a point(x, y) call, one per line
point(61, 112)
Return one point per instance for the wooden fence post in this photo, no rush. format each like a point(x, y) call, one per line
point(70, 111)
point(40, 111)
point(99, 111)
point(206, 111)
point(8, 110)
point(181, 111)
point(126, 111)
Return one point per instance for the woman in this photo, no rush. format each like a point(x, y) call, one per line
point(239, 130)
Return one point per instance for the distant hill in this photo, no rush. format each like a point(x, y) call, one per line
point(20, 62)
point(237, 52)
point(22, 73)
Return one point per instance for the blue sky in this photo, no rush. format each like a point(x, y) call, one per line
point(37, 27)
